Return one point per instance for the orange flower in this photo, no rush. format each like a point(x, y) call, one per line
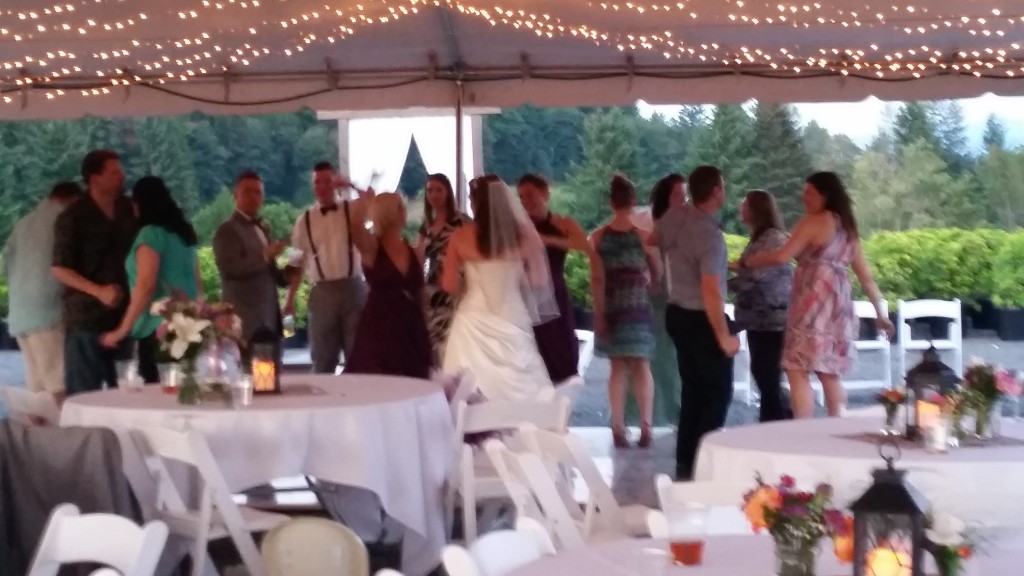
point(843, 547)
point(965, 552)
point(764, 498)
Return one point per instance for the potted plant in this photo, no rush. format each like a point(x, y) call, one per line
point(577, 279)
point(1008, 288)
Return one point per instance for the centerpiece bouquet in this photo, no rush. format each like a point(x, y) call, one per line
point(984, 387)
point(949, 544)
point(798, 520)
point(188, 328)
point(891, 400)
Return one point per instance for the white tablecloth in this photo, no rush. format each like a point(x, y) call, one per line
point(389, 435)
point(979, 484)
point(723, 556)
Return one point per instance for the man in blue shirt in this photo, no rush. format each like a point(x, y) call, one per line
point(691, 239)
point(34, 294)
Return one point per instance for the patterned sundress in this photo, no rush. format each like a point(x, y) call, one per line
point(440, 304)
point(627, 304)
point(821, 327)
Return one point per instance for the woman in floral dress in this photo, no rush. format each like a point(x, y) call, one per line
point(621, 279)
point(821, 326)
point(441, 218)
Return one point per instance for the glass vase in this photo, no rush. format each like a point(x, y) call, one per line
point(796, 557)
point(986, 421)
point(189, 392)
point(890, 429)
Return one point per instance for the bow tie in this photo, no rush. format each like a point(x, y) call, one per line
point(329, 208)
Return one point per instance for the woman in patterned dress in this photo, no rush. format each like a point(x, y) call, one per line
point(621, 279)
point(441, 218)
point(821, 326)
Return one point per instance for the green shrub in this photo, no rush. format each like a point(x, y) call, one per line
point(734, 245)
point(1008, 272)
point(577, 279)
point(212, 287)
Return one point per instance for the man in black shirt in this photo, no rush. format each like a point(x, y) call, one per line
point(93, 239)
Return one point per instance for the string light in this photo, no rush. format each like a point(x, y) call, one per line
point(204, 39)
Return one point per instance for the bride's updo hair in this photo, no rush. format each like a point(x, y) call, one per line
point(387, 211)
point(490, 206)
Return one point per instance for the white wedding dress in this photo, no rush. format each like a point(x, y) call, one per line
point(491, 336)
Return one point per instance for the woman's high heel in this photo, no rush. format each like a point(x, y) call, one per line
point(645, 436)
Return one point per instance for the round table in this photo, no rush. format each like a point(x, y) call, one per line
point(978, 484)
point(389, 435)
point(723, 556)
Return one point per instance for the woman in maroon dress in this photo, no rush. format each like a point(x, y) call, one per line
point(392, 335)
point(556, 339)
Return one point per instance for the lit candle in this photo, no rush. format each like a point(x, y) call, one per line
point(263, 375)
point(888, 562)
point(927, 414)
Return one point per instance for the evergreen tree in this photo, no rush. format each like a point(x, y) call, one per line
point(210, 158)
point(1001, 175)
point(163, 151)
point(728, 143)
point(609, 146)
point(816, 141)
point(414, 172)
point(913, 123)
point(783, 164)
point(995, 134)
point(947, 117)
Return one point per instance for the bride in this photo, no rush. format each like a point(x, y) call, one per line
point(507, 290)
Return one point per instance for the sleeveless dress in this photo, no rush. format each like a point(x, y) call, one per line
point(627, 305)
point(491, 336)
point(556, 339)
point(439, 304)
point(821, 325)
point(392, 335)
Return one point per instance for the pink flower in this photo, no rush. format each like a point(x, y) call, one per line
point(161, 331)
point(1007, 383)
point(787, 481)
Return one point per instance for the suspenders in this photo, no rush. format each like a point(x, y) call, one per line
point(312, 245)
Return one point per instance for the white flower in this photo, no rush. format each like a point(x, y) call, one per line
point(187, 331)
point(946, 530)
point(157, 309)
point(975, 361)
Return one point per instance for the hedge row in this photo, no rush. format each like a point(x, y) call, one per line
point(943, 263)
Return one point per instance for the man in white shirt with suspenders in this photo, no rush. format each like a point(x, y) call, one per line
point(333, 268)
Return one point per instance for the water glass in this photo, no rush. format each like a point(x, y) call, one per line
point(687, 528)
point(241, 392)
point(128, 378)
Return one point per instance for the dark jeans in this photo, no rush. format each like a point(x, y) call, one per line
point(87, 363)
point(706, 373)
point(147, 349)
point(766, 366)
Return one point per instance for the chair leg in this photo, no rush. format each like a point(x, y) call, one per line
point(469, 529)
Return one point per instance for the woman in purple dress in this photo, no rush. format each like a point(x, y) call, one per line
point(392, 335)
point(556, 339)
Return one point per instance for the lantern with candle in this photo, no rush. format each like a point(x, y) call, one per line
point(264, 352)
point(889, 524)
point(926, 381)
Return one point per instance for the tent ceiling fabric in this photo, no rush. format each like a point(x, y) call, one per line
point(141, 57)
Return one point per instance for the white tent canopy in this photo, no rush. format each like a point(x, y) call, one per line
point(67, 58)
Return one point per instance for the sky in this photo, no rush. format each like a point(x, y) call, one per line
point(860, 121)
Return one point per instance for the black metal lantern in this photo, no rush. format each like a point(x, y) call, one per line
point(265, 362)
point(931, 375)
point(889, 524)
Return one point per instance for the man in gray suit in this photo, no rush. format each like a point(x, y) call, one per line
point(245, 252)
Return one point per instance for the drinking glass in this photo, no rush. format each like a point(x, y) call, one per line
point(241, 392)
point(128, 378)
point(687, 528)
point(170, 378)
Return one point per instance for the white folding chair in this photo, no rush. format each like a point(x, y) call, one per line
point(312, 547)
point(109, 539)
point(742, 379)
point(586, 340)
point(603, 512)
point(217, 515)
point(30, 408)
point(458, 562)
point(476, 478)
point(388, 572)
point(537, 531)
point(571, 390)
point(657, 524)
point(502, 551)
point(880, 344)
point(723, 498)
point(544, 503)
point(953, 344)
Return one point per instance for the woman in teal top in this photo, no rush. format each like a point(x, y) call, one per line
point(162, 261)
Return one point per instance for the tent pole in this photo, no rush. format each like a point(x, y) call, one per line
point(460, 178)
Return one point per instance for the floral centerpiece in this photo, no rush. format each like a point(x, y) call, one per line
point(949, 544)
point(984, 388)
point(189, 327)
point(891, 400)
point(798, 520)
